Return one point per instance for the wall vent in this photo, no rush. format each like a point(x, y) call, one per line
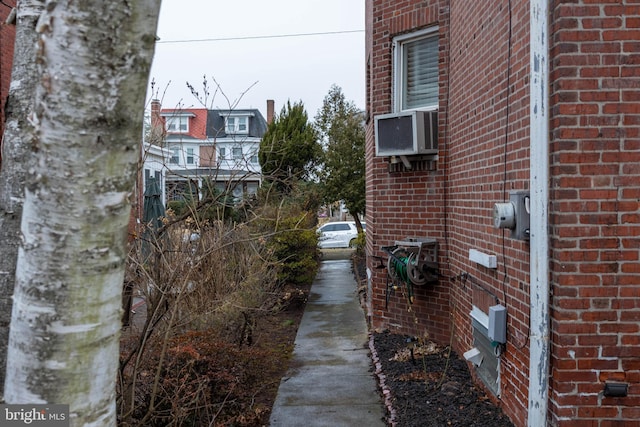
point(489, 369)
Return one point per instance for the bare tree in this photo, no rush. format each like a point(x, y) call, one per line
point(94, 58)
point(16, 157)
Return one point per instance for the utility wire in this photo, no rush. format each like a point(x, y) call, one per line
point(272, 36)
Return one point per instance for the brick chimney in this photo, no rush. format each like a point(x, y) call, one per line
point(157, 124)
point(270, 106)
point(155, 112)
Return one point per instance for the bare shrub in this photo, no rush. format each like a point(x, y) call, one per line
point(213, 277)
point(204, 381)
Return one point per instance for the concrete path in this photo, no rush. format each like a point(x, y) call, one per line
point(330, 382)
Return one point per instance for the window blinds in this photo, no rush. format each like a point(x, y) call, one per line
point(420, 73)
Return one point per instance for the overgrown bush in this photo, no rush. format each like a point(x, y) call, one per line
point(289, 231)
point(193, 277)
point(179, 207)
point(215, 206)
point(203, 381)
point(296, 251)
point(207, 280)
point(360, 242)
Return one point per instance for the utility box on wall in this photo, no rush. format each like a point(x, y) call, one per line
point(497, 324)
point(514, 215)
point(522, 204)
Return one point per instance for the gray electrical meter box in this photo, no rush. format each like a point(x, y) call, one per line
point(498, 324)
point(522, 207)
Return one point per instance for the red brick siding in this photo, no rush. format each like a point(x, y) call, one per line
point(402, 204)
point(454, 202)
point(487, 145)
point(7, 39)
point(595, 225)
point(594, 192)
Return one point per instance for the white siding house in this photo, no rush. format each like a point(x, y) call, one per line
point(154, 159)
point(212, 147)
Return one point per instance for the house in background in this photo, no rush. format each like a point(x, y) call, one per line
point(212, 148)
point(503, 141)
point(154, 159)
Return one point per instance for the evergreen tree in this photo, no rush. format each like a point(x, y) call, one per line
point(289, 150)
point(340, 124)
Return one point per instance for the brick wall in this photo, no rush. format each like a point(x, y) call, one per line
point(453, 202)
point(402, 204)
point(595, 232)
point(484, 142)
point(7, 39)
point(487, 142)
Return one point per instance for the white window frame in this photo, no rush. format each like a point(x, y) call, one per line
point(236, 124)
point(230, 125)
point(222, 153)
point(177, 124)
point(175, 156)
point(236, 153)
point(243, 125)
point(191, 156)
point(400, 44)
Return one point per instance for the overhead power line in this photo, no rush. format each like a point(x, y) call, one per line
point(271, 36)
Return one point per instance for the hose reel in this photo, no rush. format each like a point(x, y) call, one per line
point(411, 262)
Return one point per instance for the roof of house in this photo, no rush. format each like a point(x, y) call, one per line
point(216, 123)
point(197, 125)
point(210, 124)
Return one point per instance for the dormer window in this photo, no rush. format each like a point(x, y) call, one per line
point(178, 124)
point(177, 121)
point(237, 124)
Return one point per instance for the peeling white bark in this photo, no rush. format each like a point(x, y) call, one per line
point(16, 158)
point(95, 58)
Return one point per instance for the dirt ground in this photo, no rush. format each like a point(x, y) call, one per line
point(429, 385)
point(279, 331)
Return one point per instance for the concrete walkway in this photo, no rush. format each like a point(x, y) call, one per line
point(330, 382)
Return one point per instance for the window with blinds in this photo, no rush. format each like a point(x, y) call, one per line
point(417, 70)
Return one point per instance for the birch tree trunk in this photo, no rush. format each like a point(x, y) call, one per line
point(94, 58)
point(16, 141)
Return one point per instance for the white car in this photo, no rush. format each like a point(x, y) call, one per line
point(340, 234)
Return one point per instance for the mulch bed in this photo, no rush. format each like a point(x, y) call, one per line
point(425, 385)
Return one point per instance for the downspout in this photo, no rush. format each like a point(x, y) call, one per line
point(539, 350)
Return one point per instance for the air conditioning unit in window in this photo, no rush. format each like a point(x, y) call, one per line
point(407, 133)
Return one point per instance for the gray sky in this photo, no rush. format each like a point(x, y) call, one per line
point(279, 68)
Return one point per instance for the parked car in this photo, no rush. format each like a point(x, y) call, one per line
point(339, 234)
